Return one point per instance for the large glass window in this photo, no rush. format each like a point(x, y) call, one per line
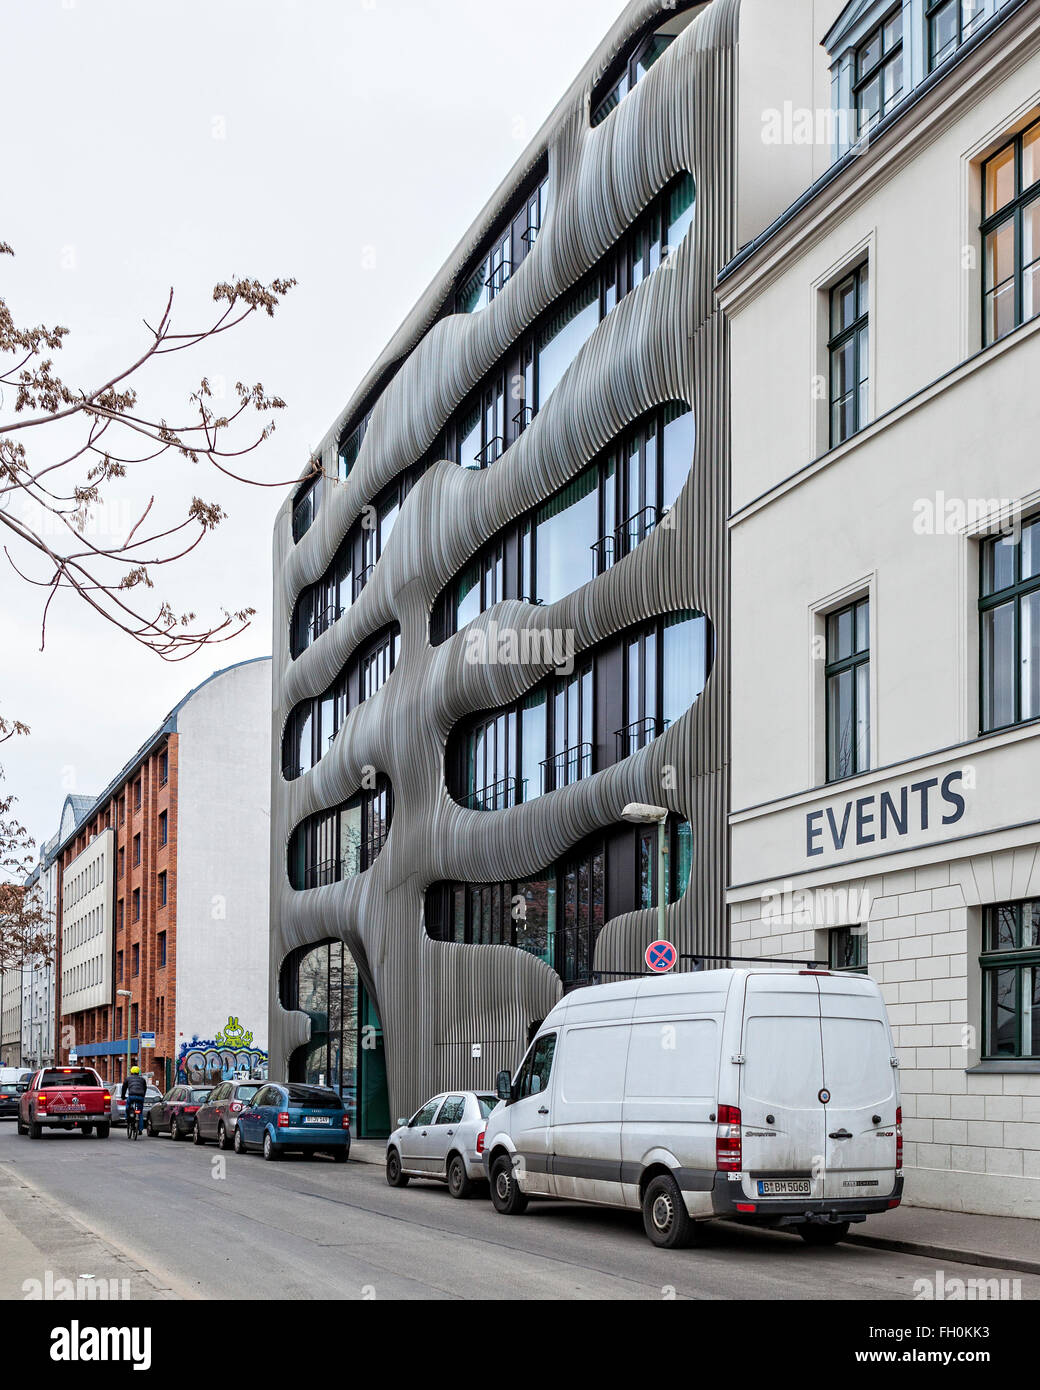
point(1011, 234)
point(636, 64)
point(665, 667)
point(848, 690)
point(508, 248)
point(313, 724)
point(563, 336)
point(951, 23)
point(878, 83)
point(1009, 615)
point(1010, 966)
point(564, 534)
point(849, 355)
point(333, 845)
point(847, 949)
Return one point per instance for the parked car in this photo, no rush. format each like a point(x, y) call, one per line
point(218, 1118)
point(291, 1117)
point(65, 1098)
point(151, 1097)
point(763, 1096)
point(175, 1112)
point(444, 1141)
point(13, 1081)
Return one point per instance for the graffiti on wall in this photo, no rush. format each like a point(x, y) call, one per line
point(231, 1053)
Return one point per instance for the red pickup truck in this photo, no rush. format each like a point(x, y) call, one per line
point(65, 1098)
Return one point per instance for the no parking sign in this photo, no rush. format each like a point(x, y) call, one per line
point(660, 957)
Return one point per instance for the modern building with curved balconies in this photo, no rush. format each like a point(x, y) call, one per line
point(501, 596)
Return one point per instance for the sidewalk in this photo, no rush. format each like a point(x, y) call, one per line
point(999, 1242)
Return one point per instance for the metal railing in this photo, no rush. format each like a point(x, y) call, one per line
point(523, 418)
point(638, 734)
point(496, 281)
point(567, 766)
point(492, 450)
point(624, 538)
point(496, 796)
point(361, 578)
point(324, 619)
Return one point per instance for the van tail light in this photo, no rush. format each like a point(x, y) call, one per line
point(235, 1107)
point(283, 1119)
point(480, 1142)
point(727, 1139)
point(346, 1120)
point(899, 1138)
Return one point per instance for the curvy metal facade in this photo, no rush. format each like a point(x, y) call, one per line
point(664, 341)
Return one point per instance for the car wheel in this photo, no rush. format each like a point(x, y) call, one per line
point(394, 1176)
point(240, 1143)
point(665, 1218)
point(35, 1130)
point(340, 1155)
point(22, 1129)
point(459, 1184)
point(271, 1149)
point(153, 1133)
point(813, 1233)
point(196, 1135)
point(174, 1130)
point(505, 1190)
point(222, 1141)
point(103, 1131)
point(88, 1130)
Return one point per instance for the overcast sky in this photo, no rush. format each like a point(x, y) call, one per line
point(348, 143)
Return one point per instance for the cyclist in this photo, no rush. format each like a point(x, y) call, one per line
point(134, 1090)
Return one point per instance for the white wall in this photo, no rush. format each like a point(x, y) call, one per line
point(86, 924)
point(223, 851)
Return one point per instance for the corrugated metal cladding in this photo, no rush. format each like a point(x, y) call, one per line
point(664, 341)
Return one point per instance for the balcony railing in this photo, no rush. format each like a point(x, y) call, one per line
point(492, 450)
point(569, 765)
point(496, 281)
point(637, 735)
point(496, 796)
point(523, 418)
point(361, 578)
point(318, 875)
point(616, 544)
point(323, 619)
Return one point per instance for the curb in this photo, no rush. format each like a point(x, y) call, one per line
point(946, 1252)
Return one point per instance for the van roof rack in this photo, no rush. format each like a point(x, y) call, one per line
point(698, 958)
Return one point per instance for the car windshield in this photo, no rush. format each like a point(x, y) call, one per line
point(487, 1104)
point(69, 1076)
point(245, 1092)
point(200, 1093)
point(314, 1097)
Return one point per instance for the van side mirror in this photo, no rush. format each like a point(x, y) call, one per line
point(504, 1085)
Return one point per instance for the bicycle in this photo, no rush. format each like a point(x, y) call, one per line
point(133, 1109)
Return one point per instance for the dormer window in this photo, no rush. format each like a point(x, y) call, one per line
point(878, 82)
point(951, 23)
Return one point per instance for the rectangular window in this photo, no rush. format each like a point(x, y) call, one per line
point(161, 946)
point(137, 850)
point(137, 904)
point(1010, 966)
point(133, 1020)
point(122, 860)
point(119, 966)
point(137, 795)
point(119, 914)
point(848, 690)
point(135, 957)
point(1010, 233)
point(848, 351)
point(164, 767)
point(951, 23)
point(847, 949)
point(1009, 622)
point(878, 72)
point(162, 890)
point(163, 827)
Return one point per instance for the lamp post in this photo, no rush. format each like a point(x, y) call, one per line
point(128, 995)
point(638, 813)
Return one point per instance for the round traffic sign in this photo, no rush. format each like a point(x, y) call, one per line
point(661, 956)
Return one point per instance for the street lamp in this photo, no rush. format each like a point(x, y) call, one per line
point(127, 994)
point(638, 813)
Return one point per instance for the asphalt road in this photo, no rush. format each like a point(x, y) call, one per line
point(185, 1222)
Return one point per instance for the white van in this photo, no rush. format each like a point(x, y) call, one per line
point(768, 1096)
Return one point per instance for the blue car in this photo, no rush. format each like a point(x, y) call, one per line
point(293, 1118)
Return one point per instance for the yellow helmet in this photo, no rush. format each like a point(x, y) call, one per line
point(135, 1071)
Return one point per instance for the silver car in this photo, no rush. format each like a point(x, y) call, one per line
point(119, 1102)
point(444, 1141)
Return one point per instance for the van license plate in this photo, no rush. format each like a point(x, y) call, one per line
point(767, 1187)
point(316, 1120)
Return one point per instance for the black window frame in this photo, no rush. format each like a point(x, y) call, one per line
point(993, 958)
point(990, 600)
point(863, 77)
point(837, 666)
point(847, 949)
point(1012, 212)
point(837, 340)
point(306, 871)
point(933, 8)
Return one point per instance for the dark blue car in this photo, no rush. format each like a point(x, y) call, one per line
point(293, 1118)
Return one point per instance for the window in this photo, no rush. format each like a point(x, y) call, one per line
point(333, 845)
point(137, 850)
point(508, 248)
point(119, 914)
point(847, 676)
point(122, 809)
point(164, 767)
point(1010, 964)
point(378, 664)
point(563, 336)
point(163, 827)
point(119, 966)
point(307, 505)
point(137, 904)
point(122, 860)
point(1009, 616)
point(878, 80)
point(137, 795)
point(951, 23)
point(665, 667)
point(424, 1116)
point(847, 949)
point(162, 890)
point(161, 949)
point(537, 1068)
point(451, 1111)
point(133, 1020)
point(635, 65)
point(1011, 235)
point(351, 447)
point(849, 355)
point(135, 957)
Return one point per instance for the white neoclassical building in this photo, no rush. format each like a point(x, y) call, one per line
point(885, 529)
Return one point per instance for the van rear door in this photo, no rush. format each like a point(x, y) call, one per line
point(860, 1155)
point(781, 1078)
